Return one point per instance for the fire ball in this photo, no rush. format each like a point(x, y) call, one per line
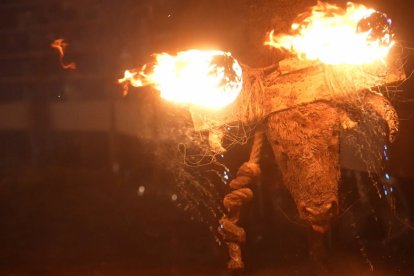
point(379, 27)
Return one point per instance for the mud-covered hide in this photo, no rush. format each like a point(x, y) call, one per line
point(305, 142)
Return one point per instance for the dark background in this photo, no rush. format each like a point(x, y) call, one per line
point(69, 199)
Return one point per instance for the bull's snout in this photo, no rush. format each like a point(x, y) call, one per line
point(319, 215)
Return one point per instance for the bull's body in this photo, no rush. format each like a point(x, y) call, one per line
point(305, 143)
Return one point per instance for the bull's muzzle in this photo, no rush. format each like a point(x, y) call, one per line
point(320, 215)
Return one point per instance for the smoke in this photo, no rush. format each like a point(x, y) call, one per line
point(196, 176)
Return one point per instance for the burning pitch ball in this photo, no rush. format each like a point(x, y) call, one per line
point(211, 79)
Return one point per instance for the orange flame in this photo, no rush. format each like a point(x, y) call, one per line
point(331, 35)
point(60, 45)
point(211, 79)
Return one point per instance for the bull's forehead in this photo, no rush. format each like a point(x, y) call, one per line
point(314, 192)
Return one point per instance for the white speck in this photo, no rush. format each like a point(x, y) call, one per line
point(387, 177)
point(141, 190)
point(174, 197)
point(225, 175)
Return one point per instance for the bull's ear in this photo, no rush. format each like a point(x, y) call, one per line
point(346, 121)
point(382, 106)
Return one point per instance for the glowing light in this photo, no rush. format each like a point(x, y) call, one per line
point(225, 175)
point(211, 79)
point(60, 46)
point(174, 197)
point(332, 35)
point(386, 152)
point(141, 190)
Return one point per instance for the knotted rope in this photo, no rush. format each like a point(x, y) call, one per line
point(233, 234)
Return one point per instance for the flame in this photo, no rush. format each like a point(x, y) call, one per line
point(211, 79)
point(332, 35)
point(60, 45)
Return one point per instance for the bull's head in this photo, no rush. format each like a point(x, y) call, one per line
point(305, 142)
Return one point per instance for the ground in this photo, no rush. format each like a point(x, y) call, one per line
point(58, 221)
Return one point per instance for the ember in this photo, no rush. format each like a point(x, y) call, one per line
point(60, 45)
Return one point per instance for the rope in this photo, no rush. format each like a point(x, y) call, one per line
point(232, 234)
point(259, 137)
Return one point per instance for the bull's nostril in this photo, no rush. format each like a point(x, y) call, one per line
point(311, 211)
point(331, 207)
point(322, 211)
point(304, 210)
